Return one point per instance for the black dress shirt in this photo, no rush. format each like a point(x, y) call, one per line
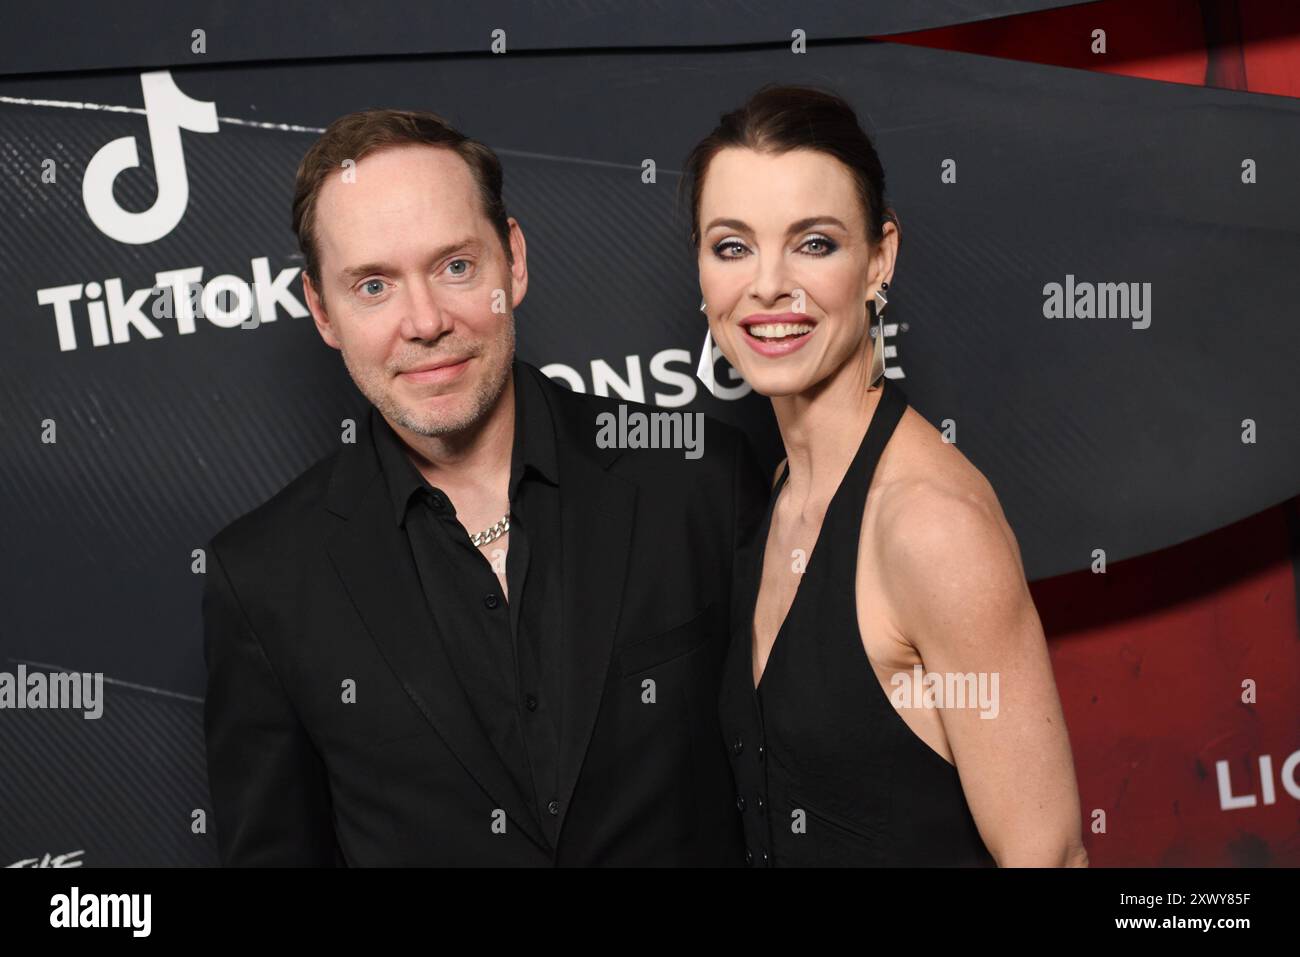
point(506, 651)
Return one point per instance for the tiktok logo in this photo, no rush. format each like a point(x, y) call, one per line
point(169, 111)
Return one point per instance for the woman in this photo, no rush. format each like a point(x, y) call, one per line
point(885, 582)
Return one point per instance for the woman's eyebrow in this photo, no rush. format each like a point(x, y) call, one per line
point(795, 227)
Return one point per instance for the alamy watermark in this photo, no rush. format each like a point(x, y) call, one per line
point(1102, 300)
point(75, 691)
point(128, 911)
point(948, 689)
point(636, 429)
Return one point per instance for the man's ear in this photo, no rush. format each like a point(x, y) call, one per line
point(317, 306)
point(519, 268)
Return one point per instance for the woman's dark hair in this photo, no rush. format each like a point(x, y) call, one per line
point(781, 118)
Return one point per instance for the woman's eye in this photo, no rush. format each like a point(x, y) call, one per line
point(728, 244)
point(827, 245)
point(372, 287)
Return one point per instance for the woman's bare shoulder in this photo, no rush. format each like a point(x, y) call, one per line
point(928, 496)
point(918, 460)
point(935, 537)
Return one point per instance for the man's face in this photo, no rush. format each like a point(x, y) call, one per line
point(415, 288)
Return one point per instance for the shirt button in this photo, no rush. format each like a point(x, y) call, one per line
point(436, 500)
point(760, 752)
point(761, 803)
point(553, 808)
point(766, 859)
point(530, 702)
point(491, 601)
point(737, 746)
point(740, 802)
point(749, 857)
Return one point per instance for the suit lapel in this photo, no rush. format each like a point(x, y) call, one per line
point(597, 510)
point(371, 557)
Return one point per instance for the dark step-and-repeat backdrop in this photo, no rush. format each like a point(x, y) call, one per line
point(1097, 286)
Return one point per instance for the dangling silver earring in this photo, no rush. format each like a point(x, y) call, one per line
point(878, 347)
point(704, 371)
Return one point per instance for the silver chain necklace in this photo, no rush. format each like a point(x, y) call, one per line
point(492, 532)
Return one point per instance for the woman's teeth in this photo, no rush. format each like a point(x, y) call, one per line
point(779, 330)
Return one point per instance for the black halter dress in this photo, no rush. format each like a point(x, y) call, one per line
point(828, 772)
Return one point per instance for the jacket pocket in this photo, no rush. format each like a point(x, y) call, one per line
point(662, 647)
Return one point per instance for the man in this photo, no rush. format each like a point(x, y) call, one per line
point(473, 636)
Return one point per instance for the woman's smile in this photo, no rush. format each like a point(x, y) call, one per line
point(777, 335)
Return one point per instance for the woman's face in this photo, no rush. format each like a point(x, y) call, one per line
point(785, 267)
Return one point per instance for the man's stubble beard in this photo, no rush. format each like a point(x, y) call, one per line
point(374, 386)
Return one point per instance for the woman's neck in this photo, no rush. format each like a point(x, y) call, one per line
point(822, 430)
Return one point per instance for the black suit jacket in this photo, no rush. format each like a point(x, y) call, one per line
point(316, 589)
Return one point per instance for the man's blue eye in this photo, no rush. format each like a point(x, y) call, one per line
point(462, 262)
point(373, 282)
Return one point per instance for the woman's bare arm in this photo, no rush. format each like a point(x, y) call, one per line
point(952, 572)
